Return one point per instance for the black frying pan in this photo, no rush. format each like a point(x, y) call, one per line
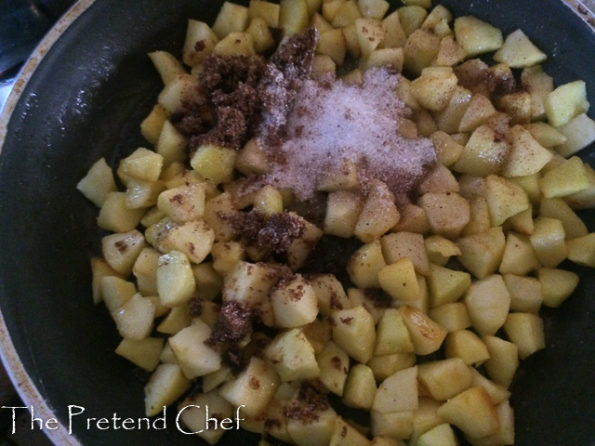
point(85, 100)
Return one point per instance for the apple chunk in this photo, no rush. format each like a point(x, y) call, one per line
point(253, 388)
point(294, 303)
point(398, 392)
point(354, 332)
point(195, 357)
point(293, 356)
point(488, 303)
point(471, 411)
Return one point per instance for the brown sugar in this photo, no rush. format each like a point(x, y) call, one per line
point(238, 93)
point(233, 324)
point(273, 235)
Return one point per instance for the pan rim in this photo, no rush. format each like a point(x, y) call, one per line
point(9, 356)
point(24, 386)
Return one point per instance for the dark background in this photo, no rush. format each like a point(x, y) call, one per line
point(22, 24)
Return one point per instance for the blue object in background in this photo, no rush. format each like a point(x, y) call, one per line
point(22, 25)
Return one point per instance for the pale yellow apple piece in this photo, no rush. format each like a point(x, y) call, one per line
point(505, 199)
point(526, 156)
point(253, 388)
point(482, 253)
point(519, 52)
point(398, 392)
point(427, 335)
point(166, 385)
point(468, 346)
point(488, 303)
point(549, 241)
point(453, 316)
point(194, 355)
point(476, 36)
point(471, 411)
point(566, 102)
point(445, 378)
point(353, 330)
point(557, 285)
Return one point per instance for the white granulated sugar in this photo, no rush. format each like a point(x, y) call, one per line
point(335, 122)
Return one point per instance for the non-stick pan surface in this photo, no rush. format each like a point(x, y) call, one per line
point(85, 100)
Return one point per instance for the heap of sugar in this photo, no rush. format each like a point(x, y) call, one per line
point(331, 123)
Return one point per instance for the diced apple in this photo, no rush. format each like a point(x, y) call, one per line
point(100, 269)
point(526, 293)
point(434, 87)
point(294, 303)
point(526, 331)
point(427, 336)
point(468, 346)
point(581, 250)
point(505, 434)
point(518, 51)
point(144, 353)
point(378, 215)
point(346, 435)
point(556, 285)
point(365, 264)
point(330, 293)
point(445, 378)
point(477, 37)
point(200, 412)
point(505, 199)
point(579, 133)
point(482, 253)
point(503, 361)
point(115, 215)
point(334, 366)
point(292, 355)
point(253, 388)
point(440, 249)
point(166, 385)
point(411, 17)
point(398, 392)
point(315, 432)
point(98, 183)
point(121, 250)
point(392, 335)
point(483, 154)
point(175, 281)
point(183, 203)
point(566, 102)
point(393, 424)
point(195, 357)
point(179, 317)
point(549, 241)
point(448, 213)
point(447, 285)
point(519, 257)
point(420, 49)
point(453, 316)
point(360, 387)
point(293, 16)
point(353, 331)
point(399, 280)
point(527, 156)
point(471, 411)
point(134, 319)
point(386, 365)
point(567, 178)
point(369, 34)
point(488, 303)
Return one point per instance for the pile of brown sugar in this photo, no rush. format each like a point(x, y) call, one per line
point(306, 127)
